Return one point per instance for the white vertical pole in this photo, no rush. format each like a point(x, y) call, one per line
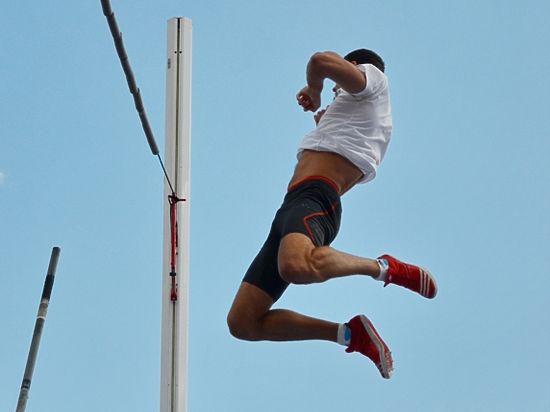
point(174, 340)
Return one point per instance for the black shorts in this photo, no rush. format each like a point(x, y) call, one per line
point(311, 207)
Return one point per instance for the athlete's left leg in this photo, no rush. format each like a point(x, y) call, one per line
point(301, 262)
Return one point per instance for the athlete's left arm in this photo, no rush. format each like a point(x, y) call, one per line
point(329, 65)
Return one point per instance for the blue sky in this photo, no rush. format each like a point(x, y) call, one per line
point(463, 190)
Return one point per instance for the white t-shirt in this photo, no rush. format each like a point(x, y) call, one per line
point(356, 126)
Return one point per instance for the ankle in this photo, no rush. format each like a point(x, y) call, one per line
point(344, 334)
point(383, 266)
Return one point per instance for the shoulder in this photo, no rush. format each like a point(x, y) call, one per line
point(376, 80)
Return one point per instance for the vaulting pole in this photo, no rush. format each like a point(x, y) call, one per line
point(37, 334)
point(175, 274)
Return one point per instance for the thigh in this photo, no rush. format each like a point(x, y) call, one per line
point(264, 271)
point(295, 248)
point(250, 302)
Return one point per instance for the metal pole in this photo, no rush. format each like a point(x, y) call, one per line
point(39, 325)
point(175, 274)
point(132, 85)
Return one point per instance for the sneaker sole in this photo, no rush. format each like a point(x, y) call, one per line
point(387, 370)
point(425, 278)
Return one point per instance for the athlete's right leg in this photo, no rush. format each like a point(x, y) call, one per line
point(251, 318)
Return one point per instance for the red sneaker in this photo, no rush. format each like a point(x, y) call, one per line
point(366, 340)
point(410, 276)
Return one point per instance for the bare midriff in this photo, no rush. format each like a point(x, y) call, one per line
point(329, 165)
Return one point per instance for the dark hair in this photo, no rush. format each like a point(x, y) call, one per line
point(365, 56)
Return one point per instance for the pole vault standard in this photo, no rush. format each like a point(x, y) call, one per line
point(175, 278)
point(38, 327)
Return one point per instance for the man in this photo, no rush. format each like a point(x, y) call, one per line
point(345, 149)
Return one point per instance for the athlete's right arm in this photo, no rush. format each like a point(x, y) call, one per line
point(329, 65)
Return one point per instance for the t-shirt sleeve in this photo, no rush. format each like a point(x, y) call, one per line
point(376, 80)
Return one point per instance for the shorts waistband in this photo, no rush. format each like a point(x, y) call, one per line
point(328, 181)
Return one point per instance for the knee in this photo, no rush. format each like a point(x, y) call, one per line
point(298, 272)
point(305, 269)
point(240, 326)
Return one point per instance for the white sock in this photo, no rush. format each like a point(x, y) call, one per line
point(344, 335)
point(384, 266)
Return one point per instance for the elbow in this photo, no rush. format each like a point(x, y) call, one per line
point(324, 63)
point(320, 60)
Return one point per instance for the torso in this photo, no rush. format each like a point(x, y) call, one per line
point(330, 165)
point(357, 127)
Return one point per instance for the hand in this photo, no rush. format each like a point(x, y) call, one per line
point(309, 99)
point(319, 114)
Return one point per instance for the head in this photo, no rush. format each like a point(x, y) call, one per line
point(364, 56)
